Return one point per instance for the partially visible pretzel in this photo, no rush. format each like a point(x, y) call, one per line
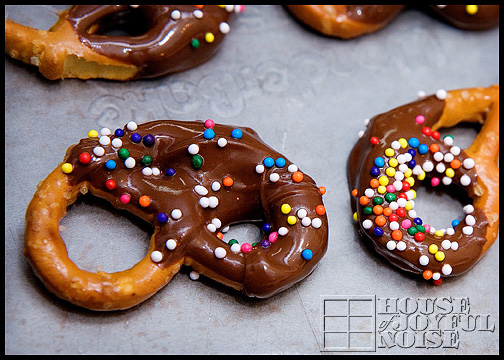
point(191, 180)
point(350, 21)
point(400, 149)
point(162, 39)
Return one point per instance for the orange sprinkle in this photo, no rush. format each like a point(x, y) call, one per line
point(297, 176)
point(220, 235)
point(322, 190)
point(380, 220)
point(144, 201)
point(427, 274)
point(374, 183)
point(227, 181)
point(199, 6)
point(455, 164)
point(434, 148)
point(355, 192)
point(363, 200)
point(397, 235)
point(378, 209)
point(320, 210)
point(387, 211)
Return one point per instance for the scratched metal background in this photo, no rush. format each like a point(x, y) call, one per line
point(307, 95)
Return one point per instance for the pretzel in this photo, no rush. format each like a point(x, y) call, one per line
point(400, 149)
point(350, 21)
point(160, 40)
point(190, 180)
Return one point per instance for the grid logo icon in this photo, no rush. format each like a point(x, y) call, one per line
point(348, 323)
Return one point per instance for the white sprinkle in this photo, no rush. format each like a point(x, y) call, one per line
point(448, 140)
point(367, 224)
point(440, 167)
point(156, 171)
point(446, 244)
point(412, 214)
point(316, 223)
point(104, 140)
point(193, 149)
point(465, 180)
point(446, 269)
point(428, 166)
point(366, 122)
point(130, 163)
point(274, 177)
point(432, 230)
point(401, 158)
point(369, 192)
point(398, 184)
point(470, 220)
point(282, 231)
point(391, 245)
point(455, 150)
point(394, 225)
point(441, 94)
point(450, 231)
point(306, 221)
point(105, 132)
point(468, 209)
point(194, 275)
point(147, 171)
point(99, 151)
point(454, 246)
point(399, 175)
point(438, 156)
point(403, 168)
point(302, 213)
point(131, 125)
point(447, 180)
point(259, 169)
point(417, 170)
point(222, 142)
point(216, 186)
point(175, 14)
point(224, 27)
point(198, 14)
point(402, 202)
point(423, 260)
point(156, 256)
point(468, 163)
point(204, 202)
point(408, 157)
point(176, 214)
point(229, 8)
point(211, 228)
point(200, 190)
point(396, 145)
point(467, 230)
point(117, 143)
point(292, 168)
point(171, 244)
point(410, 194)
point(217, 223)
point(401, 246)
point(235, 248)
point(220, 252)
point(436, 276)
point(393, 205)
point(225, 230)
point(360, 134)
point(213, 202)
point(449, 157)
point(421, 94)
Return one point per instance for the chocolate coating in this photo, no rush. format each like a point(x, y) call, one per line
point(486, 16)
point(159, 44)
point(390, 126)
point(263, 271)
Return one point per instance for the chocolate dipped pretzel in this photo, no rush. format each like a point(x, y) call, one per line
point(190, 180)
point(160, 40)
point(349, 21)
point(402, 148)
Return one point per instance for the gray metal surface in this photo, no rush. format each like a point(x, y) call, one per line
point(307, 96)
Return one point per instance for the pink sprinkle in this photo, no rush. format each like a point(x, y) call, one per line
point(420, 119)
point(246, 247)
point(406, 223)
point(241, 8)
point(273, 237)
point(390, 188)
point(209, 123)
point(435, 181)
point(125, 198)
point(427, 228)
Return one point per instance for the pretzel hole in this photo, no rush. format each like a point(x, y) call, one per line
point(131, 22)
point(246, 232)
point(99, 237)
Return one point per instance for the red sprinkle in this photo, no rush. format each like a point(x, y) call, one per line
point(110, 184)
point(436, 135)
point(401, 212)
point(427, 131)
point(84, 158)
point(374, 140)
point(419, 236)
point(438, 281)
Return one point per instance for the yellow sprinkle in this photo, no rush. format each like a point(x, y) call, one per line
point(409, 205)
point(383, 180)
point(92, 133)
point(438, 233)
point(403, 142)
point(433, 248)
point(209, 37)
point(421, 176)
point(382, 189)
point(472, 9)
point(291, 220)
point(450, 172)
point(410, 180)
point(408, 173)
point(393, 162)
point(413, 192)
point(285, 209)
point(355, 217)
point(389, 152)
point(390, 171)
point(67, 168)
point(439, 256)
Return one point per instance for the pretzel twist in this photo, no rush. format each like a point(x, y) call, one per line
point(350, 21)
point(402, 148)
point(190, 180)
point(160, 40)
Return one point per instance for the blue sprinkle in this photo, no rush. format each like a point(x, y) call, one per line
point(266, 227)
point(307, 254)
point(412, 152)
point(162, 217)
point(269, 162)
point(375, 171)
point(418, 221)
point(170, 172)
point(280, 162)
point(136, 137)
point(455, 222)
point(379, 161)
point(209, 134)
point(378, 231)
point(423, 149)
point(148, 140)
point(119, 132)
point(110, 164)
point(413, 142)
point(237, 133)
point(265, 243)
point(412, 164)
